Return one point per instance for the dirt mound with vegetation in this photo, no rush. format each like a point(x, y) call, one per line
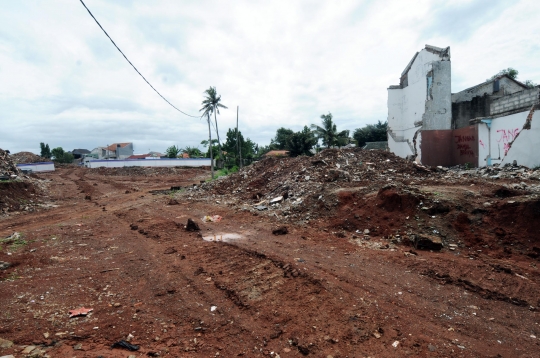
point(359, 195)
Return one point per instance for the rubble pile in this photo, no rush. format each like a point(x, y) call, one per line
point(27, 158)
point(363, 194)
point(8, 169)
point(507, 171)
point(293, 184)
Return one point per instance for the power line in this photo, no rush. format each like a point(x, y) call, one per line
point(135, 68)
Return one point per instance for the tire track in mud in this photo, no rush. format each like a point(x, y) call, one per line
point(495, 282)
point(248, 288)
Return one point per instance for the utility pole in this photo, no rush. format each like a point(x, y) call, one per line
point(237, 138)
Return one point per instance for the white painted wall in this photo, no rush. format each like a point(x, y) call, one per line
point(186, 162)
point(37, 167)
point(408, 105)
point(503, 131)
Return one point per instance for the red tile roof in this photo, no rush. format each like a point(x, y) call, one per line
point(113, 146)
point(277, 153)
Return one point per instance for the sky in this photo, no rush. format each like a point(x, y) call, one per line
point(284, 63)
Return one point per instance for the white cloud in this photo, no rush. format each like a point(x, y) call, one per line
point(284, 63)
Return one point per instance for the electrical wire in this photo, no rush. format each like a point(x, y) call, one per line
point(135, 68)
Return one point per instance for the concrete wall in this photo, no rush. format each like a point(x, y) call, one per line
point(187, 162)
point(515, 101)
point(499, 138)
point(506, 86)
point(463, 112)
point(424, 96)
point(438, 107)
point(37, 167)
point(124, 152)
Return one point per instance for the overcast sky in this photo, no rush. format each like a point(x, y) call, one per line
point(283, 62)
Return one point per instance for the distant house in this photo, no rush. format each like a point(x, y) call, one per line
point(277, 153)
point(151, 155)
point(114, 151)
point(79, 153)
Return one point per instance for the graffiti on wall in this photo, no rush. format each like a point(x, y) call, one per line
point(506, 136)
point(463, 145)
point(482, 143)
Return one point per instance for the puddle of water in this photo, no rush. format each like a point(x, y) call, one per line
point(223, 237)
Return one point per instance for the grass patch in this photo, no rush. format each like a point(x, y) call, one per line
point(224, 172)
point(14, 242)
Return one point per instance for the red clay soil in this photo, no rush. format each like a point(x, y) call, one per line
point(345, 282)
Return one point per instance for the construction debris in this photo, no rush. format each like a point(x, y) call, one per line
point(8, 169)
point(27, 158)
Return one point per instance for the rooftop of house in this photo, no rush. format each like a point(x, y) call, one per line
point(493, 80)
point(80, 151)
point(137, 156)
point(277, 153)
point(115, 145)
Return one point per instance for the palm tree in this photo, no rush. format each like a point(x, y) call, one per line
point(328, 132)
point(211, 104)
point(210, 141)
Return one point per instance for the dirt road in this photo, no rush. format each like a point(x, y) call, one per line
point(107, 242)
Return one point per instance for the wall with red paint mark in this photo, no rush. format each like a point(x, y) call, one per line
point(450, 147)
point(504, 130)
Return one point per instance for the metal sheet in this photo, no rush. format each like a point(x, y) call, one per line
point(450, 147)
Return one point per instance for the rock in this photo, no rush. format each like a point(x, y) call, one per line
point(46, 334)
point(427, 242)
point(4, 265)
point(4, 343)
point(9, 356)
point(173, 202)
point(170, 250)
point(280, 231)
point(28, 349)
point(278, 199)
point(366, 231)
point(261, 207)
point(432, 348)
point(192, 226)
point(77, 347)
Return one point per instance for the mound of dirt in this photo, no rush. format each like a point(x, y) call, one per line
point(362, 195)
point(8, 169)
point(27, 157)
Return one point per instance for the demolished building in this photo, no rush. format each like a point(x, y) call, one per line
point(478, 126)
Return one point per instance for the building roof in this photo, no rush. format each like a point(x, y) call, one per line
point(137, 156)
point(80, 151)
point(277, 153)
point(493, 80)
point(444, 53)
point(113, 146)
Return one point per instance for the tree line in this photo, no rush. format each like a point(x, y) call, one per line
point(236, 148)
point(56, 154)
